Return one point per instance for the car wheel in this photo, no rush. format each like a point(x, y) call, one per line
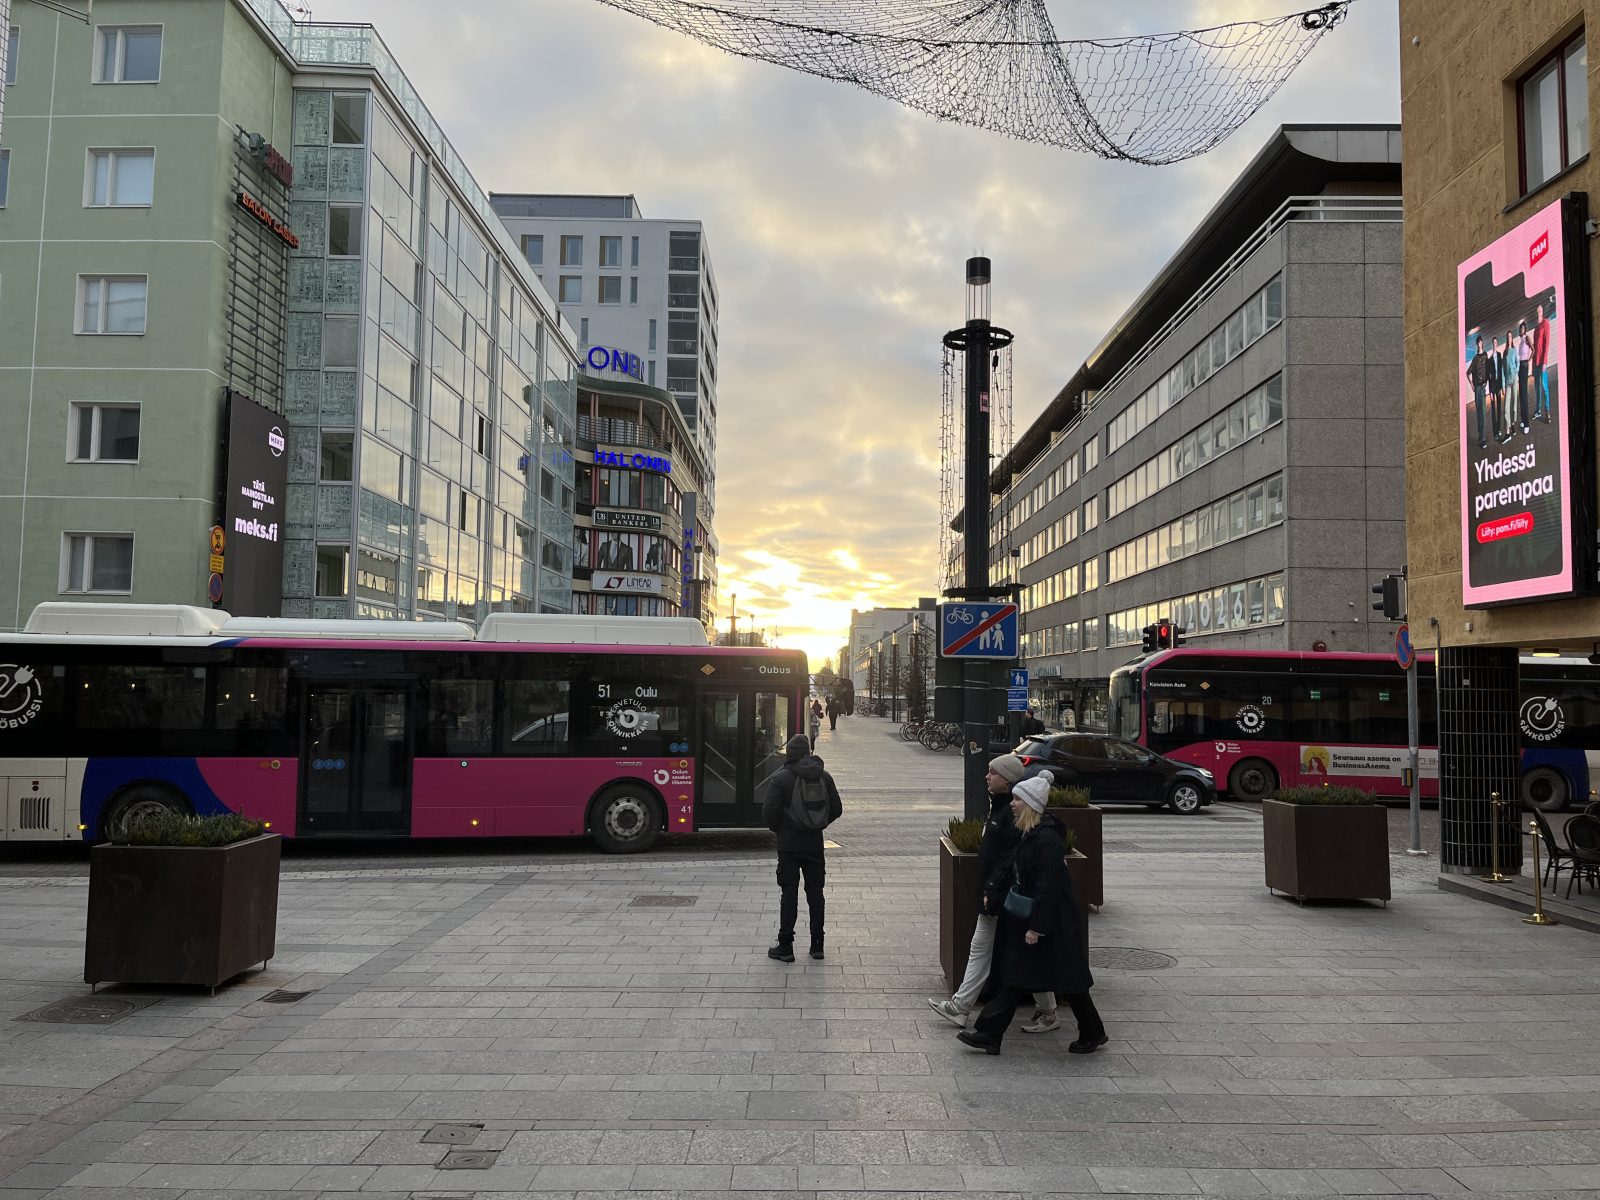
point(625, 820)
point(1252, 779)
point(137, 803)
point(1185, 797)
point(1546, 789)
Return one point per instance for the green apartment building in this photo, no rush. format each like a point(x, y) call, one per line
point(250, 297)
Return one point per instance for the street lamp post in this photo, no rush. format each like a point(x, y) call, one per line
point(894, 676)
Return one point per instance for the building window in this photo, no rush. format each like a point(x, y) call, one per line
point(634, 257)
point(1091, 573)
point(97, 562)
point(13, 47)
point(349, 121)
point(333, 572)
point(341, 341)
point(571, 289)
point(583, 331)
point(533, 248)
point(338, 456)
point(104, 433)
point(120, 179)
point(652, 335)
point(5, 175)
point(128, 54)
point(652, 373)
point(112, 304)
point(610, 251)
point(344, 230)
point(1553, 112)
point(1091, 454)
point(1091, 513)
point(571, 250)
point(633, 289)
point(610, 289)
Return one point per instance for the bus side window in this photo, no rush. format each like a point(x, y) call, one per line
point(1161, 717)
point(536, 716)
point(458, 717)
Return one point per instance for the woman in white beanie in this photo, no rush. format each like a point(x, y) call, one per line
point(1038, 945)
point(1000, 836)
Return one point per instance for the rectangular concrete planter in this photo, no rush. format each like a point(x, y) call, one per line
point(958, 905)
point(1326, 851)
point(181, 914)
point(1089, 841)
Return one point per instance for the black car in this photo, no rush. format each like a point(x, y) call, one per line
point(1118, 772)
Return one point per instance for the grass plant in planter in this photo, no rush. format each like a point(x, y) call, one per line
point(1083, 821)
point(176, 899)
point(1326, 843)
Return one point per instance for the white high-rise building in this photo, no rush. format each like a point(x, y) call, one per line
point(632, 284)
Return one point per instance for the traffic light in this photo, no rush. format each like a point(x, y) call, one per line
point(1391, 598)
point(1177, 635)
point(1151, 644)
point(1164, 634)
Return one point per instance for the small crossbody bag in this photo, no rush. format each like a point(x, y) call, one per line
point(1017, 903)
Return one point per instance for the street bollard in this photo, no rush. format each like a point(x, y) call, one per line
point(1537, 917)
point(1494, 841)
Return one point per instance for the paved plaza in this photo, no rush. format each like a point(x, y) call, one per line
point(586, 1026)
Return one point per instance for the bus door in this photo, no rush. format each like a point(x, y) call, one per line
point(355, 768)
point(742, 735)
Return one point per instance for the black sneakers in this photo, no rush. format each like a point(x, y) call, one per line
point(783, 952)
point(816, 950)
point(1085, 1045)
point(971, 1037)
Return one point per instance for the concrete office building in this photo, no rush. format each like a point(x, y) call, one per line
point(642, 286)
point(1499, 242)
point(250, 285)
point(870, 626)
point(1230, 455)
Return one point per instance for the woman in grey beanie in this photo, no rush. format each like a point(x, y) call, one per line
point(1000, 837)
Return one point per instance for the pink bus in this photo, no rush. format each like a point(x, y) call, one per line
point(1258, 720)
point(619, 728)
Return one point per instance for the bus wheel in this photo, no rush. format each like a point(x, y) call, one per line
point(1545, 788)
point(1185, 798)
point(625, 820)
point(137, 803)
point(1252, 780)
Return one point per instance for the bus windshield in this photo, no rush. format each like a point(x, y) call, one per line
point(1125, 704)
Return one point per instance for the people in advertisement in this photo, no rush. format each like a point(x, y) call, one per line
point(1515, 454)
point(615, 555)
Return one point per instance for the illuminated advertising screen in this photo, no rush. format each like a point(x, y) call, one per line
point(252, 509)
point(1525, 404)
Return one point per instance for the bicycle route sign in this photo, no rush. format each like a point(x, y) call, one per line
point(978, 631)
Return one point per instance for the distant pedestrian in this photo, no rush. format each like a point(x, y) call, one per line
point(834, 709)
point(814, 721)
point(1038, 945)
point(801, 801)
point(1000, 837)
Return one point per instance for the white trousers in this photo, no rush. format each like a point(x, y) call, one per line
point(979, 960)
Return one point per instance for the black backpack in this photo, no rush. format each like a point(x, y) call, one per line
point(808, 803)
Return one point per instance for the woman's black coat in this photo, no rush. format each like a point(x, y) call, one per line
point(1059, 962)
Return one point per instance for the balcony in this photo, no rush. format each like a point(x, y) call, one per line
point(674, 346)
point(683, 300)
point(615, 432)
point(682, 262)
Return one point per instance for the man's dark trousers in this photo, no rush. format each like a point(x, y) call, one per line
point(792, 864)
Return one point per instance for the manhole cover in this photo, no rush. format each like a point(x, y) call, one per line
point(661, 902)
point(284, 997)
point(1128, 958)
point(89, 1010)
point(468, 1160)
point(451, 1134)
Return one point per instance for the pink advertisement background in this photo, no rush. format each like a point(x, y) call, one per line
point(1509, 255)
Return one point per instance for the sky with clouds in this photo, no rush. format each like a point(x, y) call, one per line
point(838, 225)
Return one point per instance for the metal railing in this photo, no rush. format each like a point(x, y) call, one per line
point(617, 432)
point(679, 262)
point(1295, 208)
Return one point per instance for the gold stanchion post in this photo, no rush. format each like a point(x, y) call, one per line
point(1537, 917)
point(1494, 875)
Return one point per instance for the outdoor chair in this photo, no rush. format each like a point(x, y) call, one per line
point(1583, 835)
point(1557, 854)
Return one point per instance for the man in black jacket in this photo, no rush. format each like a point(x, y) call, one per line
point(799, 848)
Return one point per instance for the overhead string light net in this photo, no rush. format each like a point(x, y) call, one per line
point(998, 65)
